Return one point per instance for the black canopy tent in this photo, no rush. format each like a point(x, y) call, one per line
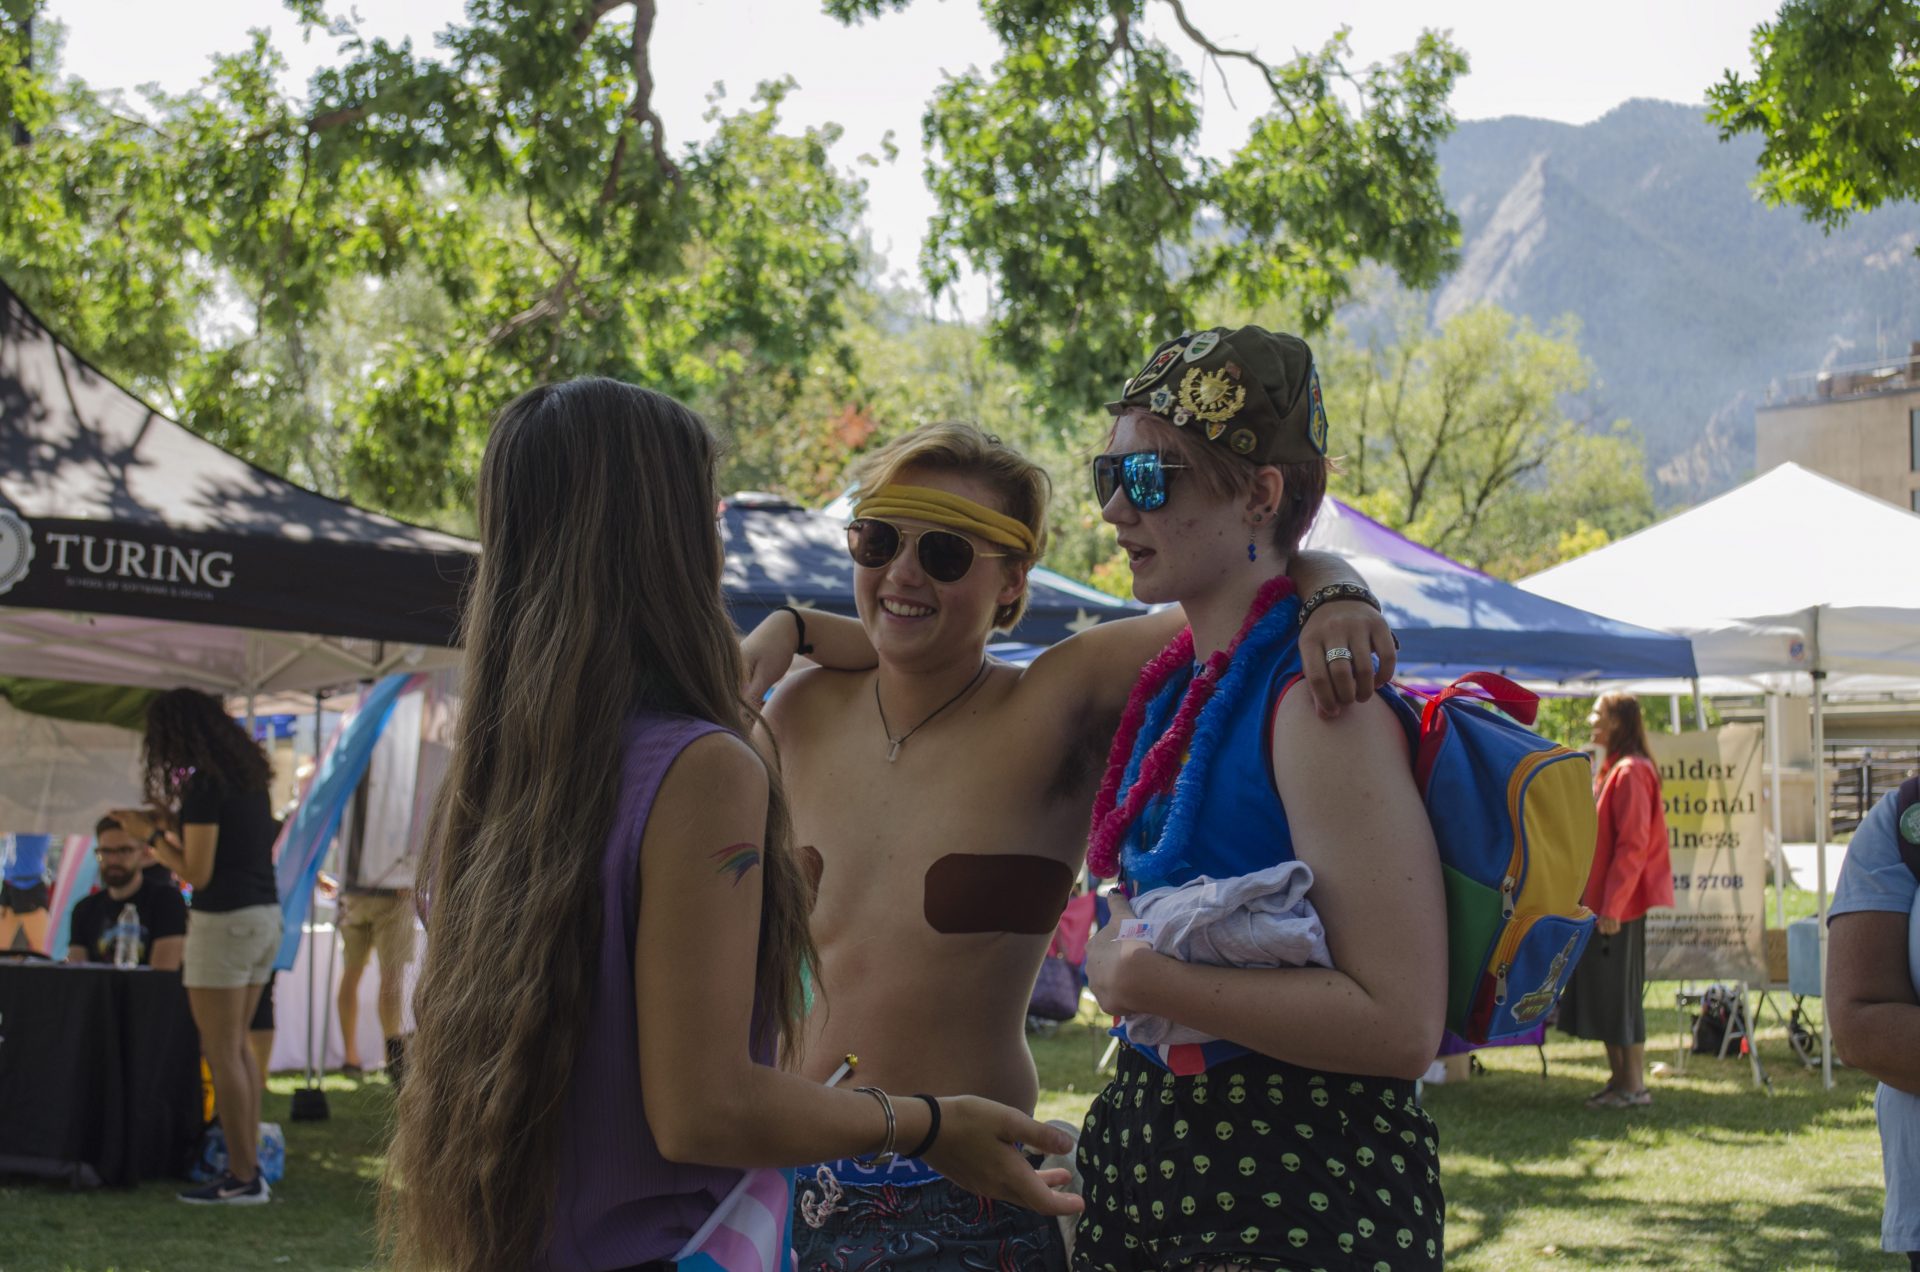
point(134, 552)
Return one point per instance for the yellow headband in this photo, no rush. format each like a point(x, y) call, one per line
point(954, 511)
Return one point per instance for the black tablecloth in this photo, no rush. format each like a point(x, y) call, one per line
point(99, 1073)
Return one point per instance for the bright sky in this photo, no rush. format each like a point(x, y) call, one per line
point(1556, 61)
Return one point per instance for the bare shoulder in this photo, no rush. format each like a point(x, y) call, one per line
point(712, 764)
point(806, 699)
point(1363, 731)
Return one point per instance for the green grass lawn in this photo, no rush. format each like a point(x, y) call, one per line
point(321, 1216)
point(1717, 1174)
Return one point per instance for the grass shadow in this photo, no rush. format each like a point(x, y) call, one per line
point(320, 1218)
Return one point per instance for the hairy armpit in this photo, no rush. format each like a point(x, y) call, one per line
point(970, 893)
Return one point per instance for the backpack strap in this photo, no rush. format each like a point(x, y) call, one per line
point(1522, 704)
point(1906, 823)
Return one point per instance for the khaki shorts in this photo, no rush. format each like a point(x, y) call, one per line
point(231, 949)
point(380, 923)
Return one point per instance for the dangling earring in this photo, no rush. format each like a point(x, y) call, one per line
point(1252, 552)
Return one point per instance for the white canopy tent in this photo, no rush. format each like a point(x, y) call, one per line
point(1790, 584)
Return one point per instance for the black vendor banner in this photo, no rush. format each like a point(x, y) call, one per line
point(269, 582)
point(1710, 781)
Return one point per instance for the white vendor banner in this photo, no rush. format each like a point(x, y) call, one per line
point(1710, 780)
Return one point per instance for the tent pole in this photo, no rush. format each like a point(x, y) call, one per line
point(1699, 706)
point(1673, 713)
point(1780, 875)
point(1820, 859)
point(313, 1070)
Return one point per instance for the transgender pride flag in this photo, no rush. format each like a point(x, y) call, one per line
point(752, 1231)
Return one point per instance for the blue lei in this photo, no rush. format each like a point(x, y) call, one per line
point(1169, 852)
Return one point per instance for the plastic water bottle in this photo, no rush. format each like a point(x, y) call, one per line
point(126, 937)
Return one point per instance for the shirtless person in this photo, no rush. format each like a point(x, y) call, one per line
point(947, 797)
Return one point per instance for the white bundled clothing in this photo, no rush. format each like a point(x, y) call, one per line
point(1261, 919)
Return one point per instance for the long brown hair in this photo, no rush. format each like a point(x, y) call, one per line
point(189, 733)
point(1622, 730)
point(597, 596)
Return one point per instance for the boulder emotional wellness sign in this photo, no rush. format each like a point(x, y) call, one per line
point(1710, 781)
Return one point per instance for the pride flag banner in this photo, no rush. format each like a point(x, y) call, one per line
point(752, 1231)
point(303, 842)
point(74, 878)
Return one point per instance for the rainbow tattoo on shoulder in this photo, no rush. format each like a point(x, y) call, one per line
point(736, 860)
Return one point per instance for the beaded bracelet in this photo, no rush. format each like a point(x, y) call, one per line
point(1337, 592)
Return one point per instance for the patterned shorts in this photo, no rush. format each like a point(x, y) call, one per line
point(1258, 1163)
point(848, 1218)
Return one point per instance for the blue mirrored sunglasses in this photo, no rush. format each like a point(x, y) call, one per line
point(1142, 474)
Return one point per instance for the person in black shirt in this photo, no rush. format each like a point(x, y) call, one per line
point(95, 931)
point(201, 763)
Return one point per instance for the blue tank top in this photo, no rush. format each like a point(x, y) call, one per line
point(1238, 825)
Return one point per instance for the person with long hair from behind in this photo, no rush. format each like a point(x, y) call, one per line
point(617, 928)
point(206, 775)
point(1632, 873)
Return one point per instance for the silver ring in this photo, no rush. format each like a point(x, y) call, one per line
point(1339, 653)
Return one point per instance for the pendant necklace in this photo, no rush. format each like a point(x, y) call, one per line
point(894, 744)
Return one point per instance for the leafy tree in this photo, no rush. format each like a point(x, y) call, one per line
point(1458, 438)
point(509, 215)
point(1835, 92)
point(1071, 175)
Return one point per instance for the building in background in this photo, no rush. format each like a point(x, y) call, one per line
point(1859, 425)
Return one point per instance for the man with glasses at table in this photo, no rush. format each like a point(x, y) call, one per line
point(155, 933)
point(944, 797)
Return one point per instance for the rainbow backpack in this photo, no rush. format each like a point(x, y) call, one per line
point(1514, 817)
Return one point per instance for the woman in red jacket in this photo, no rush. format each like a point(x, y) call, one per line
point(1631, 875)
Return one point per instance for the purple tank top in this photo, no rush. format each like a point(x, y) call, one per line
point(619, 1202)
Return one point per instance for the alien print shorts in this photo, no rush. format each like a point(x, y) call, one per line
point(1257, 1163)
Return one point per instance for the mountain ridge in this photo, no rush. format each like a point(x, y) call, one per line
point(1692, 296)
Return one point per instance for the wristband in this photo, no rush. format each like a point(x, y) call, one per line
point(1337, 592)
point(933, 1130)
point(800, 626)
point(157, 835)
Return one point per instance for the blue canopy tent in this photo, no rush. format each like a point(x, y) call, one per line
point(1452, 619)
point(779, 553)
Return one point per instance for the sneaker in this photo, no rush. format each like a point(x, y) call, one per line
point(229, 1191)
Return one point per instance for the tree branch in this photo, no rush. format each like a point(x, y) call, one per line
point(641, 111)
point(1194, 34)
point(590, 20)
point(1124, 37)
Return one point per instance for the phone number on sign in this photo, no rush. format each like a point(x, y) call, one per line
point(1701, 883)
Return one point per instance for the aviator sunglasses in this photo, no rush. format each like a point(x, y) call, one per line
point(944, 555)
point(1142, 474)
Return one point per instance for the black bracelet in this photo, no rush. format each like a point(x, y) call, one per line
point(933, 1130)
point(800, 624)
point(157, 835)
point(1337, 592)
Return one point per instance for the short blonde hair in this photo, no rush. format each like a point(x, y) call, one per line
point(952, 447)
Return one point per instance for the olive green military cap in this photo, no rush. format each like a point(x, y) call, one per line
point(1252, 390)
